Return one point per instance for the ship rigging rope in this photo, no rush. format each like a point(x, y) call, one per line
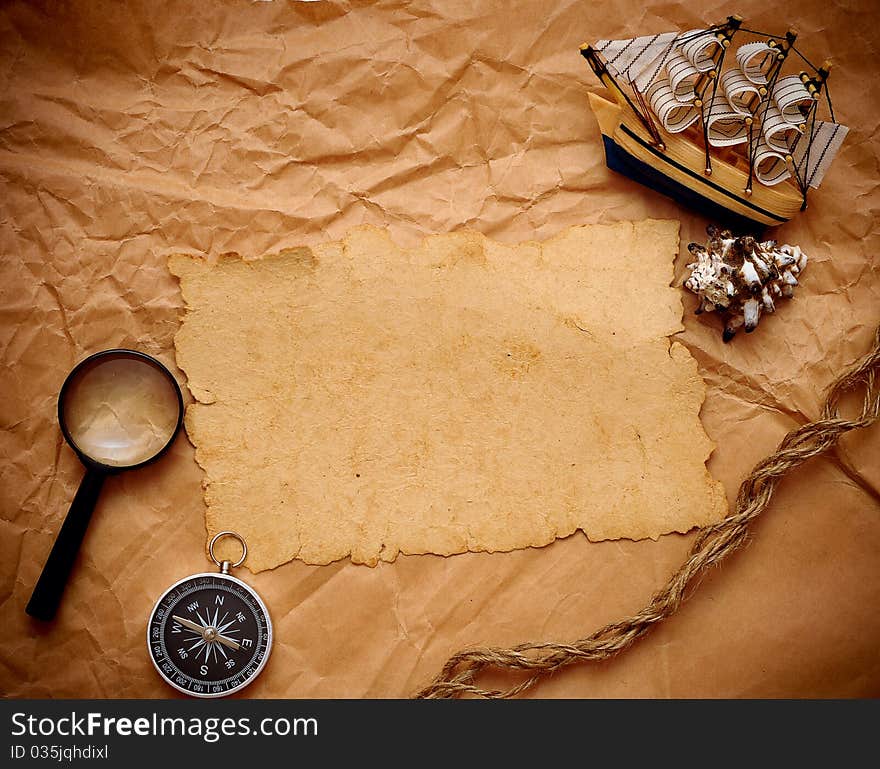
point(780, 37)
point(792, 48)
point(825, 83)
point(686, 37)
point(714, 543)
point(755, 134)
point(708, 111)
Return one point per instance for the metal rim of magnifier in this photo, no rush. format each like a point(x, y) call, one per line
point(119, 352)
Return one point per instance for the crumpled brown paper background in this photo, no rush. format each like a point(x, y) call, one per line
point(128, 132)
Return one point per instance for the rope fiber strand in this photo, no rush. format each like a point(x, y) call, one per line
point(714, 543)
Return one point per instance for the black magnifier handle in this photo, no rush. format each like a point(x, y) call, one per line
point(47, 593)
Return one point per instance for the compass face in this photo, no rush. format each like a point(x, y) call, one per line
point(209, 635)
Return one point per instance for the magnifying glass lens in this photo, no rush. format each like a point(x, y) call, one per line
point(120, 410)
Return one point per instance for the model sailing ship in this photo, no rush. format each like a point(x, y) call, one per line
point(722, 129)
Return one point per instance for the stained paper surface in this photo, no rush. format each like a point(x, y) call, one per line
point(130, 132)
point(358, 399)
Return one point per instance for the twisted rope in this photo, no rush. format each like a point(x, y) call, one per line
point(458, 676)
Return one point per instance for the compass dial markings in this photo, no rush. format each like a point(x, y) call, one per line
point(196, 645)
point(240, 660)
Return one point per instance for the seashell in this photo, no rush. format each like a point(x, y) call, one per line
point(741, 278)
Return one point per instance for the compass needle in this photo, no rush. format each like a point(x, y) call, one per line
point(231, 643)
point(188, 624)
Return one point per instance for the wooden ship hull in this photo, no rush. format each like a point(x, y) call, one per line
point(678, 171)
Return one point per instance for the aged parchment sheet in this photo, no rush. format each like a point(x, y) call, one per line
point(366, 400)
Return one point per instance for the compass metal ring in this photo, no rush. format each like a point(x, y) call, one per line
point(232, 534)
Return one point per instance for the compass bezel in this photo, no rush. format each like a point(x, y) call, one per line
point(260, 665)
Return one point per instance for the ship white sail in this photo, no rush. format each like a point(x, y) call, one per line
point(683, 78)
point(725, 127)
point(673, 115)
point(792, 98)
point(628, 58)
point(769, 164)
point(778, 132)
point(740, 91)
point(697, 42)
point(814, 153)
point(700, 47)
point(755, 61)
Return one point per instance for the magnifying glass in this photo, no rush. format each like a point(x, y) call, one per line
point(118, 410)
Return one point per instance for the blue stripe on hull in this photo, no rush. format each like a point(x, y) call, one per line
point(619, 160)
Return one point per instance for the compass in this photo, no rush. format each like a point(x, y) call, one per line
point(210, 634)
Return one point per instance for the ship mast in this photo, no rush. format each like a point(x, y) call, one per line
point(814, 86)
point(724, 35)
point(782, 47)
point(601, 70)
